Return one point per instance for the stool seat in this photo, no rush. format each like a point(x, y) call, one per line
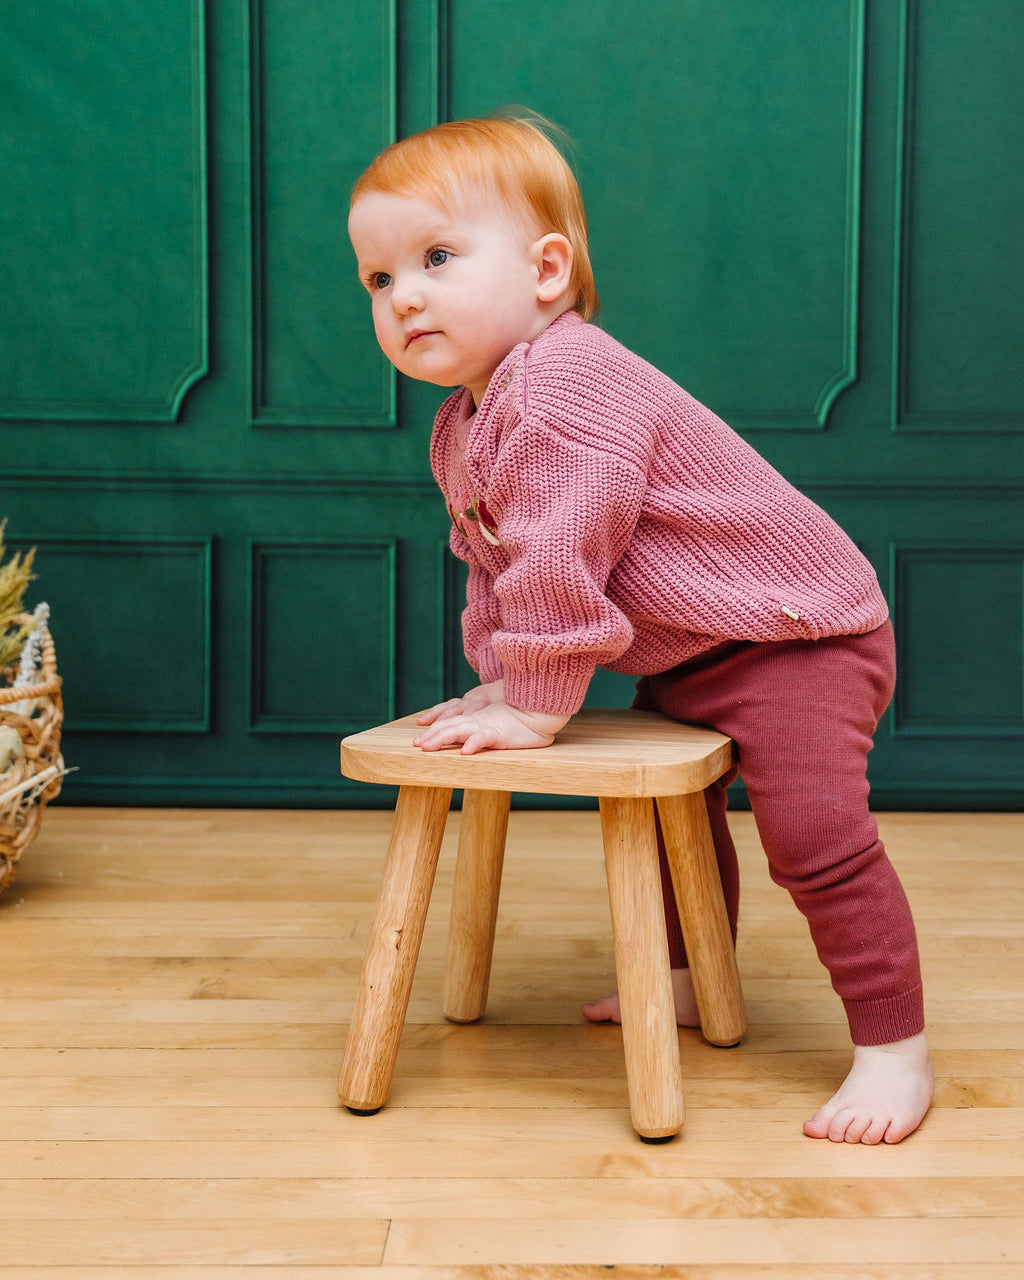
point(637, 764)
point(598, 753)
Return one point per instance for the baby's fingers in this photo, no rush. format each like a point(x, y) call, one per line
point(449, 731)
point(442, 711)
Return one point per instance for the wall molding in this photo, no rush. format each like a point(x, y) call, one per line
point(816, 417)
point(261, 617)
point(157, 404)
point(212, 482)
point(936, 720)
point(904, 419)
point(847, 375)
point(917, 487)
point(192, 713)
point(381, 413)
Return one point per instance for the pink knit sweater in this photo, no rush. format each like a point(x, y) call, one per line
point(629, 527)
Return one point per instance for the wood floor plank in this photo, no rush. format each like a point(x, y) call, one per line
point(541, 1125)
point(463, 1056)
point(628, 1241)
point(558, 1271)
point(613, 1155)
point(299, 1199)
point(529, 1092)
point(112, 1242)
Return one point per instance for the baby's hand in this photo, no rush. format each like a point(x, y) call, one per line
point(494, 726)
point(475, 700)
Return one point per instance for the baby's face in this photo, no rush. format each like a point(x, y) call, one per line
point(453, 291)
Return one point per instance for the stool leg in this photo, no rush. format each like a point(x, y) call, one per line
point(393, 948)
point(702, 913)
point(650, 1039)
point(475, 903)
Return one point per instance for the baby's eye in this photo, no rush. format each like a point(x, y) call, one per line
point(437, 257)
point(379, 280)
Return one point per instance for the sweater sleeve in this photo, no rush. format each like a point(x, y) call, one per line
point(565, 510)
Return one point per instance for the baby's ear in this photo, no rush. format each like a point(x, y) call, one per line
point(553, 259)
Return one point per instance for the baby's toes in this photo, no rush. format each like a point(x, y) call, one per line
point(865, 1128)
point(604, 1010)
point(843, 1125)
point(898, 1128)
point(818, 1125)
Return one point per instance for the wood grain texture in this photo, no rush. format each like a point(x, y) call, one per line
point(475, 895)
point(393, 947)
point(610, 753)
point(702, 913)
point(649, 1036)
point(176, 990)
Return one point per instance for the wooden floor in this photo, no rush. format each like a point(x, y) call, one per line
point(175, 988)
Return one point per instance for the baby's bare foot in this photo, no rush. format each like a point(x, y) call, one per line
point(607, 1008)
point(885, 1096)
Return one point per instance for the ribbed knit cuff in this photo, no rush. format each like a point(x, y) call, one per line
point(487, 666)
point(886, 1021)
point(557, 690)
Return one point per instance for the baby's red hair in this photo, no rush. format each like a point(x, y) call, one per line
point(511, 156)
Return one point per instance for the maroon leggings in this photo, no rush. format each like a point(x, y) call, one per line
point(802, 715)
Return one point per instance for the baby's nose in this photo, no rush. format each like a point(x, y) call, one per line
point(406, 296)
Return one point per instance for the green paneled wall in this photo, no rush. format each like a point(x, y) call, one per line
point(103, 216)
point(807, 213)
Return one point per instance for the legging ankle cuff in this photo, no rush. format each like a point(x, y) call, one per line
point(886, 1021)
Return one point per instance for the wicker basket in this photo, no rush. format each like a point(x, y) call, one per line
point(36, 712)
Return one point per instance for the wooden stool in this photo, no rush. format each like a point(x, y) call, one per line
point(627, 759)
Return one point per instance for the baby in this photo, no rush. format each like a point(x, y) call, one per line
point(608, 518)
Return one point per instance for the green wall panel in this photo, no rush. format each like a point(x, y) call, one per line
point(962, 259)
point(317, 607)
point(103, 213)
point(720, 149)
point(132, 621)
point(315, 361)
point(945, 691)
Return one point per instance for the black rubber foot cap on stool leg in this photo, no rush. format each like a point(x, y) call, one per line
point(358, 1111)
point(656, 1142)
